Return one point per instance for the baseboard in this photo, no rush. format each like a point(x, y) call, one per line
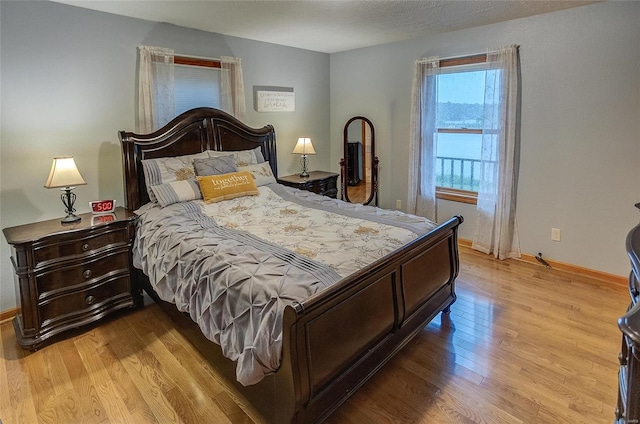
point(561, 266)
point(8, 314)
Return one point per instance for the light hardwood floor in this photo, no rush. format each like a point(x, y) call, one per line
point(522, 344)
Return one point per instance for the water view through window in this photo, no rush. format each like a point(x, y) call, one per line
point(459, 119)
point(458, 161)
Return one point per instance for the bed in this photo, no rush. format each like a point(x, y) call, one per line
point(333, 341)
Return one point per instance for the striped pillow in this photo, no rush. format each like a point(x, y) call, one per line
point(177, 191)
point(165, 170)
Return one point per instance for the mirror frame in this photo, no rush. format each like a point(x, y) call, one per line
point(372, 196)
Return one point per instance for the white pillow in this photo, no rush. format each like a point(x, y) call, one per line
point(261, 173)
point(177, 191)
point(242, 157)
point(259, 155)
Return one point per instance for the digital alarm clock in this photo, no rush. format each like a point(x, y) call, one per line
point(102, 206)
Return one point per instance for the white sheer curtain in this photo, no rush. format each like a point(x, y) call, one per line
point(422, 151)
point(156, 100)
point(496, 231)
point(156, 105)
point(232, 87)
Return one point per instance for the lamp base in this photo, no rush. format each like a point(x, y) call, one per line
point(304, 161)
point(68, 199)
point(70, 219)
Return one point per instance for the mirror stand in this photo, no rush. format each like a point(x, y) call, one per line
point(359, 165)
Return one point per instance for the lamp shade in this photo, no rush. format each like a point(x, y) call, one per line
point(304, 147)
point(64, 173)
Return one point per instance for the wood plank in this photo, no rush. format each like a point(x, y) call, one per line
point(16, 401)
point(87, 400)
point(106, 390)
point(199, 405)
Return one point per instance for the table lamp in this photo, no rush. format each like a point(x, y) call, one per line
point(304, 148)
point(65, 174)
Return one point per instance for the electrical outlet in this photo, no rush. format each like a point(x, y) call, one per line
point(398, 204)
point(555, 234)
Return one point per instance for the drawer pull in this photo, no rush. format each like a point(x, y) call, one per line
point(87, 273)
point(622, 359)
point(85, 247)
point(90, 300)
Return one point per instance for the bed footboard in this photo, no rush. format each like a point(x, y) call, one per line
point(339, 338)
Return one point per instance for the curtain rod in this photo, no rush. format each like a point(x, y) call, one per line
point(456, 61)
point(466, 55)
point(474, 54)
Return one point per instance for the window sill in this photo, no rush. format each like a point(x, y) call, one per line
point(455, 195)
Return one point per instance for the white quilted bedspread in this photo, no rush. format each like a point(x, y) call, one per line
point(343, 243)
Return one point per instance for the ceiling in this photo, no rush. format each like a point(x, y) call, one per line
point(327, 26)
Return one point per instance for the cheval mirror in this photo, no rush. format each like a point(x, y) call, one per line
point(359, 165)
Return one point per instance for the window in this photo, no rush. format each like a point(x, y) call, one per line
point(464, 146)
point(220, 80)
point(458, 138)
point(196, 83)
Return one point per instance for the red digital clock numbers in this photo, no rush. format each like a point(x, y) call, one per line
point(103, 218)
point(102, 206)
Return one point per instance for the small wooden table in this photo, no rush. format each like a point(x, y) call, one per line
point(70, 275)
point(319, 182)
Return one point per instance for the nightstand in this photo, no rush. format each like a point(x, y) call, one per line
point(320, 182)
point(71, 275)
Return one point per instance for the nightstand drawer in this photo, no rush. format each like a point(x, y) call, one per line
point(80, 302)
point(56, 248)
point(78, 273)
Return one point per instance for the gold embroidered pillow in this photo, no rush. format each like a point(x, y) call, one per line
point(216, 188)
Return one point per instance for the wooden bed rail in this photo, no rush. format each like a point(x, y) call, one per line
point(445, 230)
point(341, 338)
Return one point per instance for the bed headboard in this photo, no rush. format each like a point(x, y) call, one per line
point(192, 132)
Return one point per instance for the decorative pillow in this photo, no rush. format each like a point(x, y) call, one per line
point(259, 155)
point(215, 166)
point(261, 173)
point(216, 188)
point(177, 191)
point(165, 170)
point(242, 157)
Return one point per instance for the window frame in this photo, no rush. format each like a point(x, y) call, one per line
point(453, 194)
point(196, 61)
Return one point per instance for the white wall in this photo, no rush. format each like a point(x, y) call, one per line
point(580, 129)
point(68, 79)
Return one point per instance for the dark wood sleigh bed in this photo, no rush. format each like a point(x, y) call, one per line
point(335, 340)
